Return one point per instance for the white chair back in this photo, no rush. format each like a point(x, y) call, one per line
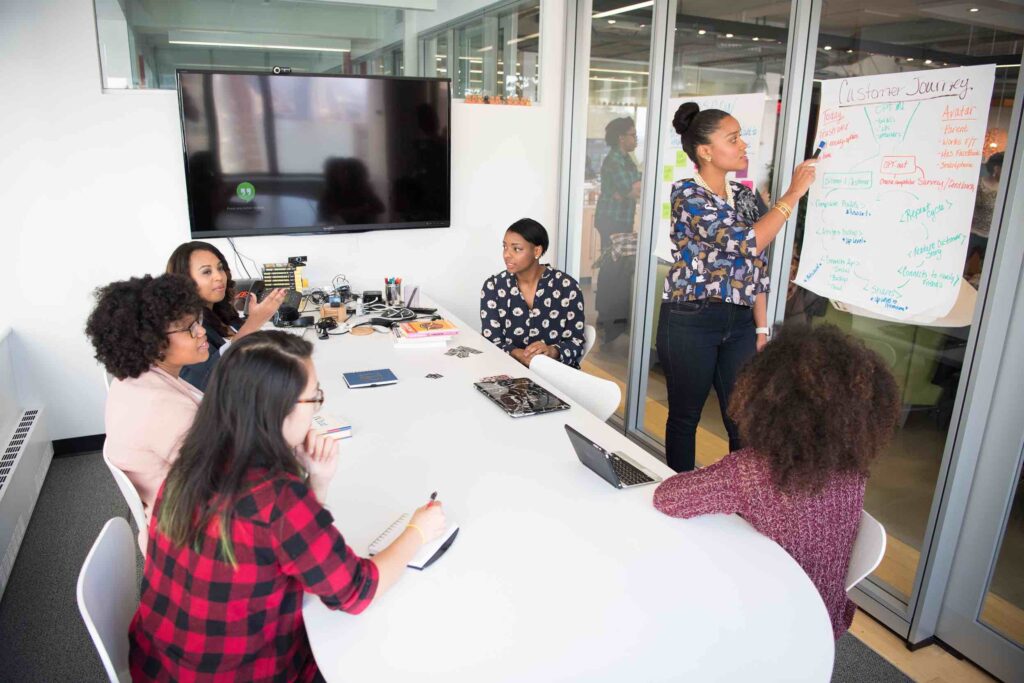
point(589, 337)
point(597, 395)
point(131, 495)
point(107, 378)
point(868, 549)
point(108, 596)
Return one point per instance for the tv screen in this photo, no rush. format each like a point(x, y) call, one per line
point(271, 154)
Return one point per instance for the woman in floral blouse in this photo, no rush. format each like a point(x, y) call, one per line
point(715, 290)
point(530, 308)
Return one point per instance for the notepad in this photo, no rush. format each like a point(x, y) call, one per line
point(427, 554)
point(369, 378)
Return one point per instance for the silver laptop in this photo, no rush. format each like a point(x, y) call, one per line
point(615, 468)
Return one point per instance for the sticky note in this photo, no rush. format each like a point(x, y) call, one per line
point(668, 173)
point(666, 211)
point(681, 158)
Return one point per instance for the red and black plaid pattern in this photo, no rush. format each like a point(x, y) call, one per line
point(200, 619)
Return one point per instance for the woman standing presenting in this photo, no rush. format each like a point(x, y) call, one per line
point(714, 292)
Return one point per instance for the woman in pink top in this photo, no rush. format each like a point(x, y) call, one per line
point(144, 331)
point(815, 407)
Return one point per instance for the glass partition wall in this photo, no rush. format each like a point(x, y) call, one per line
point(740, 56)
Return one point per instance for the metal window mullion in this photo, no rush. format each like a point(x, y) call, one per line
point(644, 300)
point(972, 406)
point(798, 86)
point(574, 135)
point(489, 65)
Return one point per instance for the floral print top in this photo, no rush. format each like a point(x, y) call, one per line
point(555, 319)
point(713, 246)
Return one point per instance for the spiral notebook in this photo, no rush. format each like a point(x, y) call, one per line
point(427, 555)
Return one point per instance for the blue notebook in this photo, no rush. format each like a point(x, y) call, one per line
point(369, 378)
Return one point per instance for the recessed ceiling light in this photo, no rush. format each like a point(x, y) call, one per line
point(827, 47)
point(611, 21)
point(927, 61)
point(973, 9)
point(643, 25)
point(701, 32)
point(849, 52)
point(728, 35)
point(910, 59)
point(755, 38)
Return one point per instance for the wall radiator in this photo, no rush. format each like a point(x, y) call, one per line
point(24, 461)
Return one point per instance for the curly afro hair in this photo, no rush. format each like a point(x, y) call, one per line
point(815, 402)
point(128, 327)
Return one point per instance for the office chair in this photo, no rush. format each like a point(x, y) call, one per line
point(597, 395)
point(868, 550)
point(108, 596)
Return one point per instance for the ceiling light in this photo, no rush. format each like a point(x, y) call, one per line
point(701, 32)
point(258, 46)
point(611, 21)
point(910, 59)
point(519, 40)
point(927, 61)
point(620, 10)
point(973, 9)
point(643, 25)
point(620, 71)
point(728, 35)
point(611, 80)
point(485, 49)
point(849, 52)
point(827, 47)
point(755, 39)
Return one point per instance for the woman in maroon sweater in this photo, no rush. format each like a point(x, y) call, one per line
point(815, 408)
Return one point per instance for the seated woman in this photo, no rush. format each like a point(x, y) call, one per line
point(241, 531)
point(530, 308)
point(205, 264)
point(815, 408)
point(145, 330)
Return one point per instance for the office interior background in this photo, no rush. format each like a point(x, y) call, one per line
point(93, 191)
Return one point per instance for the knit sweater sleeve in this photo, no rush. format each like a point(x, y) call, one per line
point(708, 490)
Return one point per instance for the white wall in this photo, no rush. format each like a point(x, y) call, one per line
point(94, 190)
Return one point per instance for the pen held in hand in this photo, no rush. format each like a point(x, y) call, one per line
point(433, 497)
point(817, 152)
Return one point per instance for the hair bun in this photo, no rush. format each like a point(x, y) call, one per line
point(684, 116)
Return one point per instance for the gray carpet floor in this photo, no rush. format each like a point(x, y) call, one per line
point(41, 632)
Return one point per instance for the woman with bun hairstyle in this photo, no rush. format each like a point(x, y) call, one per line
point(713, 311)
point(209, 270)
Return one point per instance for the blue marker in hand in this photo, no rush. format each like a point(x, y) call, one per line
point(817, 152)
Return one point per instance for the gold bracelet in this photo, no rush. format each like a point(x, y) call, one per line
point(423, 536)
point(786, 212)
point(787, 209)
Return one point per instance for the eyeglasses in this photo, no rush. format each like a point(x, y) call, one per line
point(318, 399)
point(192, 329)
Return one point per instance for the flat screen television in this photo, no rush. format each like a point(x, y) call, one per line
point(313, 154)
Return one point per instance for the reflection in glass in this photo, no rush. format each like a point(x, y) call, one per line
point(616, 124)
point(876, 38)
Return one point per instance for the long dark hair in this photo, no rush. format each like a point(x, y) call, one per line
point(695, 127)
point(224, 313)
point(254, 387)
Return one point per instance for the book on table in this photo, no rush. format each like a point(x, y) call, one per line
point(403, 341)
point(332, 426)
point(428, 328)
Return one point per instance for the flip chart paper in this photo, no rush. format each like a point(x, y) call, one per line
point(890, 211)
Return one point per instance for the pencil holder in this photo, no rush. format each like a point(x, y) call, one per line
point(394, 294)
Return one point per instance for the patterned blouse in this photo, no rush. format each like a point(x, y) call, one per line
point(555, 319)
point(713, 246)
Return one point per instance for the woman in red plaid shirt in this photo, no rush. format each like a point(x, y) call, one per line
point(239, 530)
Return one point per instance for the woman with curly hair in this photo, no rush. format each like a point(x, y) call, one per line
point(208, 269)
point(145, 330)
point(815, 408)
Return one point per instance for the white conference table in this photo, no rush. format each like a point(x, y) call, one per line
point(555, 575)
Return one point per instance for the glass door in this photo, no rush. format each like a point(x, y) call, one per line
point(721, 61)
point(930, 361)
point(617, 87)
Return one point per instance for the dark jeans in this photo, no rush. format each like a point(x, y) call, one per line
point(700, 344)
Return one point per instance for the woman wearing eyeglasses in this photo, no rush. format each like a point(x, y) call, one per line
point(208, 269)
point(144, 331)
point(241, 532)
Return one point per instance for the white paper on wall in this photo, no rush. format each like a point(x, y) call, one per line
point(889, 214)
point(750, 111)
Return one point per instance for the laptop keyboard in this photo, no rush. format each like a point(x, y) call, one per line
point(628, 474)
